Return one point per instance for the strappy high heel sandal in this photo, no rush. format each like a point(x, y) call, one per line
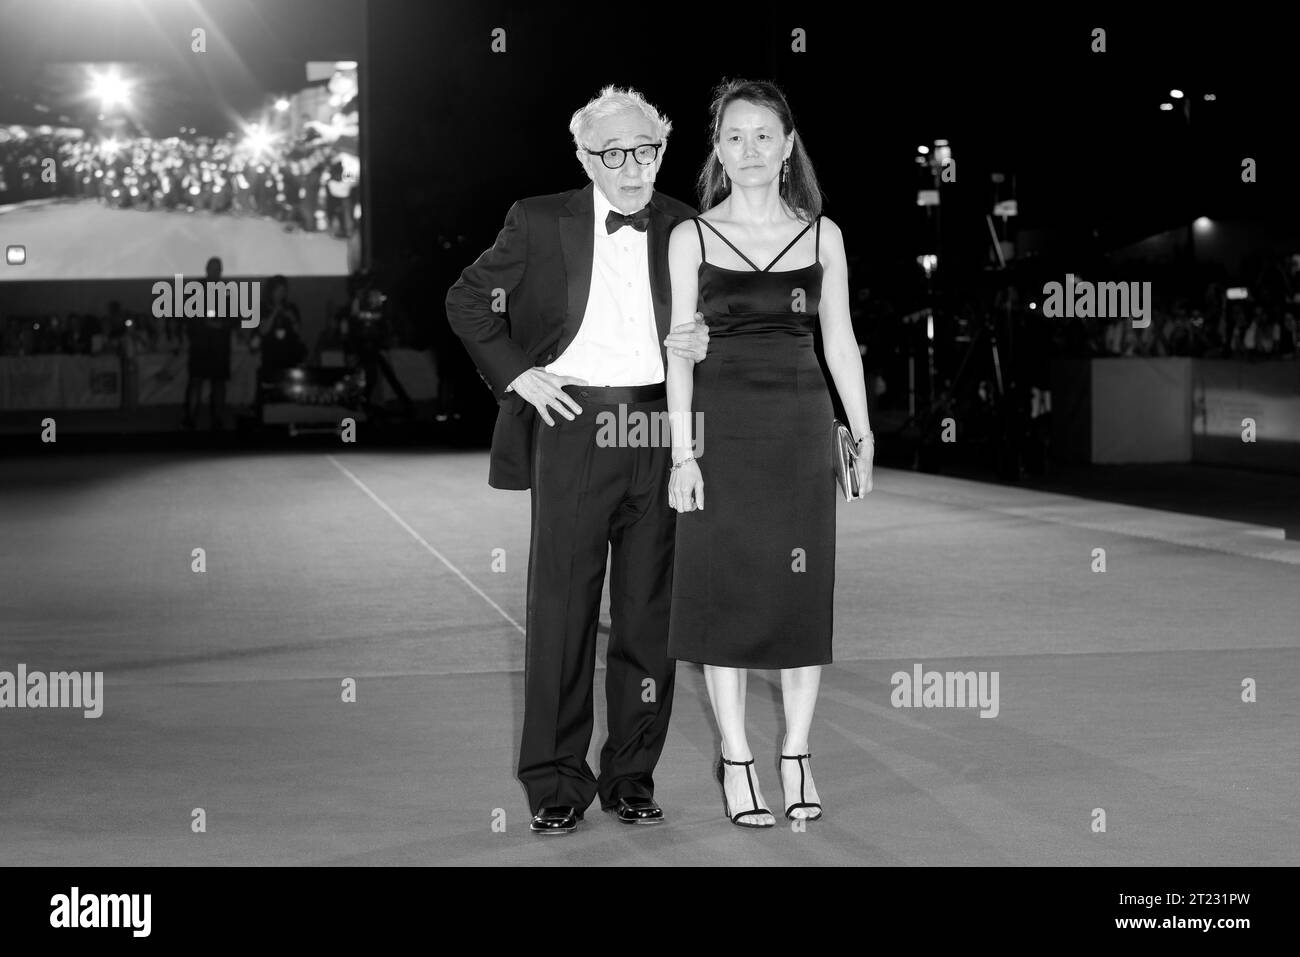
point(802, 777)
point(753, 796)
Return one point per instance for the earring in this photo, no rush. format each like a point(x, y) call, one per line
point(785, 171)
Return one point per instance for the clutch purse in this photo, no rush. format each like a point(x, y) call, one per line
point(846, 457)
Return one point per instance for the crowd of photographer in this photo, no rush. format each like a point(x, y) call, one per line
point(306, 186)
point(1237, 332)
point(360, 331)
point(1204, 314)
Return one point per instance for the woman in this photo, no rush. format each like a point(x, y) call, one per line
point(754, 573)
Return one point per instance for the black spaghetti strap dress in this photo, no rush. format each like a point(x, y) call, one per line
point(754, 570)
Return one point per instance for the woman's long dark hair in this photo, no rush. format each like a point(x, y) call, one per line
point(799, 190)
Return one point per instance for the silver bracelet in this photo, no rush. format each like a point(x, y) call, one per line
point(677, 465)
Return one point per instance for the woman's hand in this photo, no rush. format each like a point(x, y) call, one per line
point(863, 465)
point(686, 487)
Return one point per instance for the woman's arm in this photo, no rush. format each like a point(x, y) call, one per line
point(841, 345)
point(843, 358)
point(686, 488)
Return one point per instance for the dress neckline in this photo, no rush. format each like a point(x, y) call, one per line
point(817, 256)
point(763, 272)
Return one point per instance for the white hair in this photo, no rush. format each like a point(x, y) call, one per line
point(613, 99)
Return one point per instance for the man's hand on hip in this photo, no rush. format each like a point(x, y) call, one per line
point(543, 389)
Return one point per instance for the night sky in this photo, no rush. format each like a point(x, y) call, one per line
point(1081, 132)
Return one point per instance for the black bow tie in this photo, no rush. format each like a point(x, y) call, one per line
point(640, 220)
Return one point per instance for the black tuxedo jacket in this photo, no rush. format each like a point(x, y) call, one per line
point(541, 264)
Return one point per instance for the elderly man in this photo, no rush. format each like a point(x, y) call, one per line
point(584, 277)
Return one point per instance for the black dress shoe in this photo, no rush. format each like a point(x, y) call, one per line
point(560, 819)
point(638, 810)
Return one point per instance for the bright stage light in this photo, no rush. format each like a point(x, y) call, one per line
point(258, 140)
point(923, 149)
point(110, 89)
point(1176, 94)
point(1202, 224)
point(1166, 107)
point(281, 105)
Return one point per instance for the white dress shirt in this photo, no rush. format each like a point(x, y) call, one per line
point(618, 342)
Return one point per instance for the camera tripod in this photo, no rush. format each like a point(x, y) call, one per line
point(991, 417)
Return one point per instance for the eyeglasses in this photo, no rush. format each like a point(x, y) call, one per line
point(645, 154)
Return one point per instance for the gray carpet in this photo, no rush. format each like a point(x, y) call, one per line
point(1118, 691)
